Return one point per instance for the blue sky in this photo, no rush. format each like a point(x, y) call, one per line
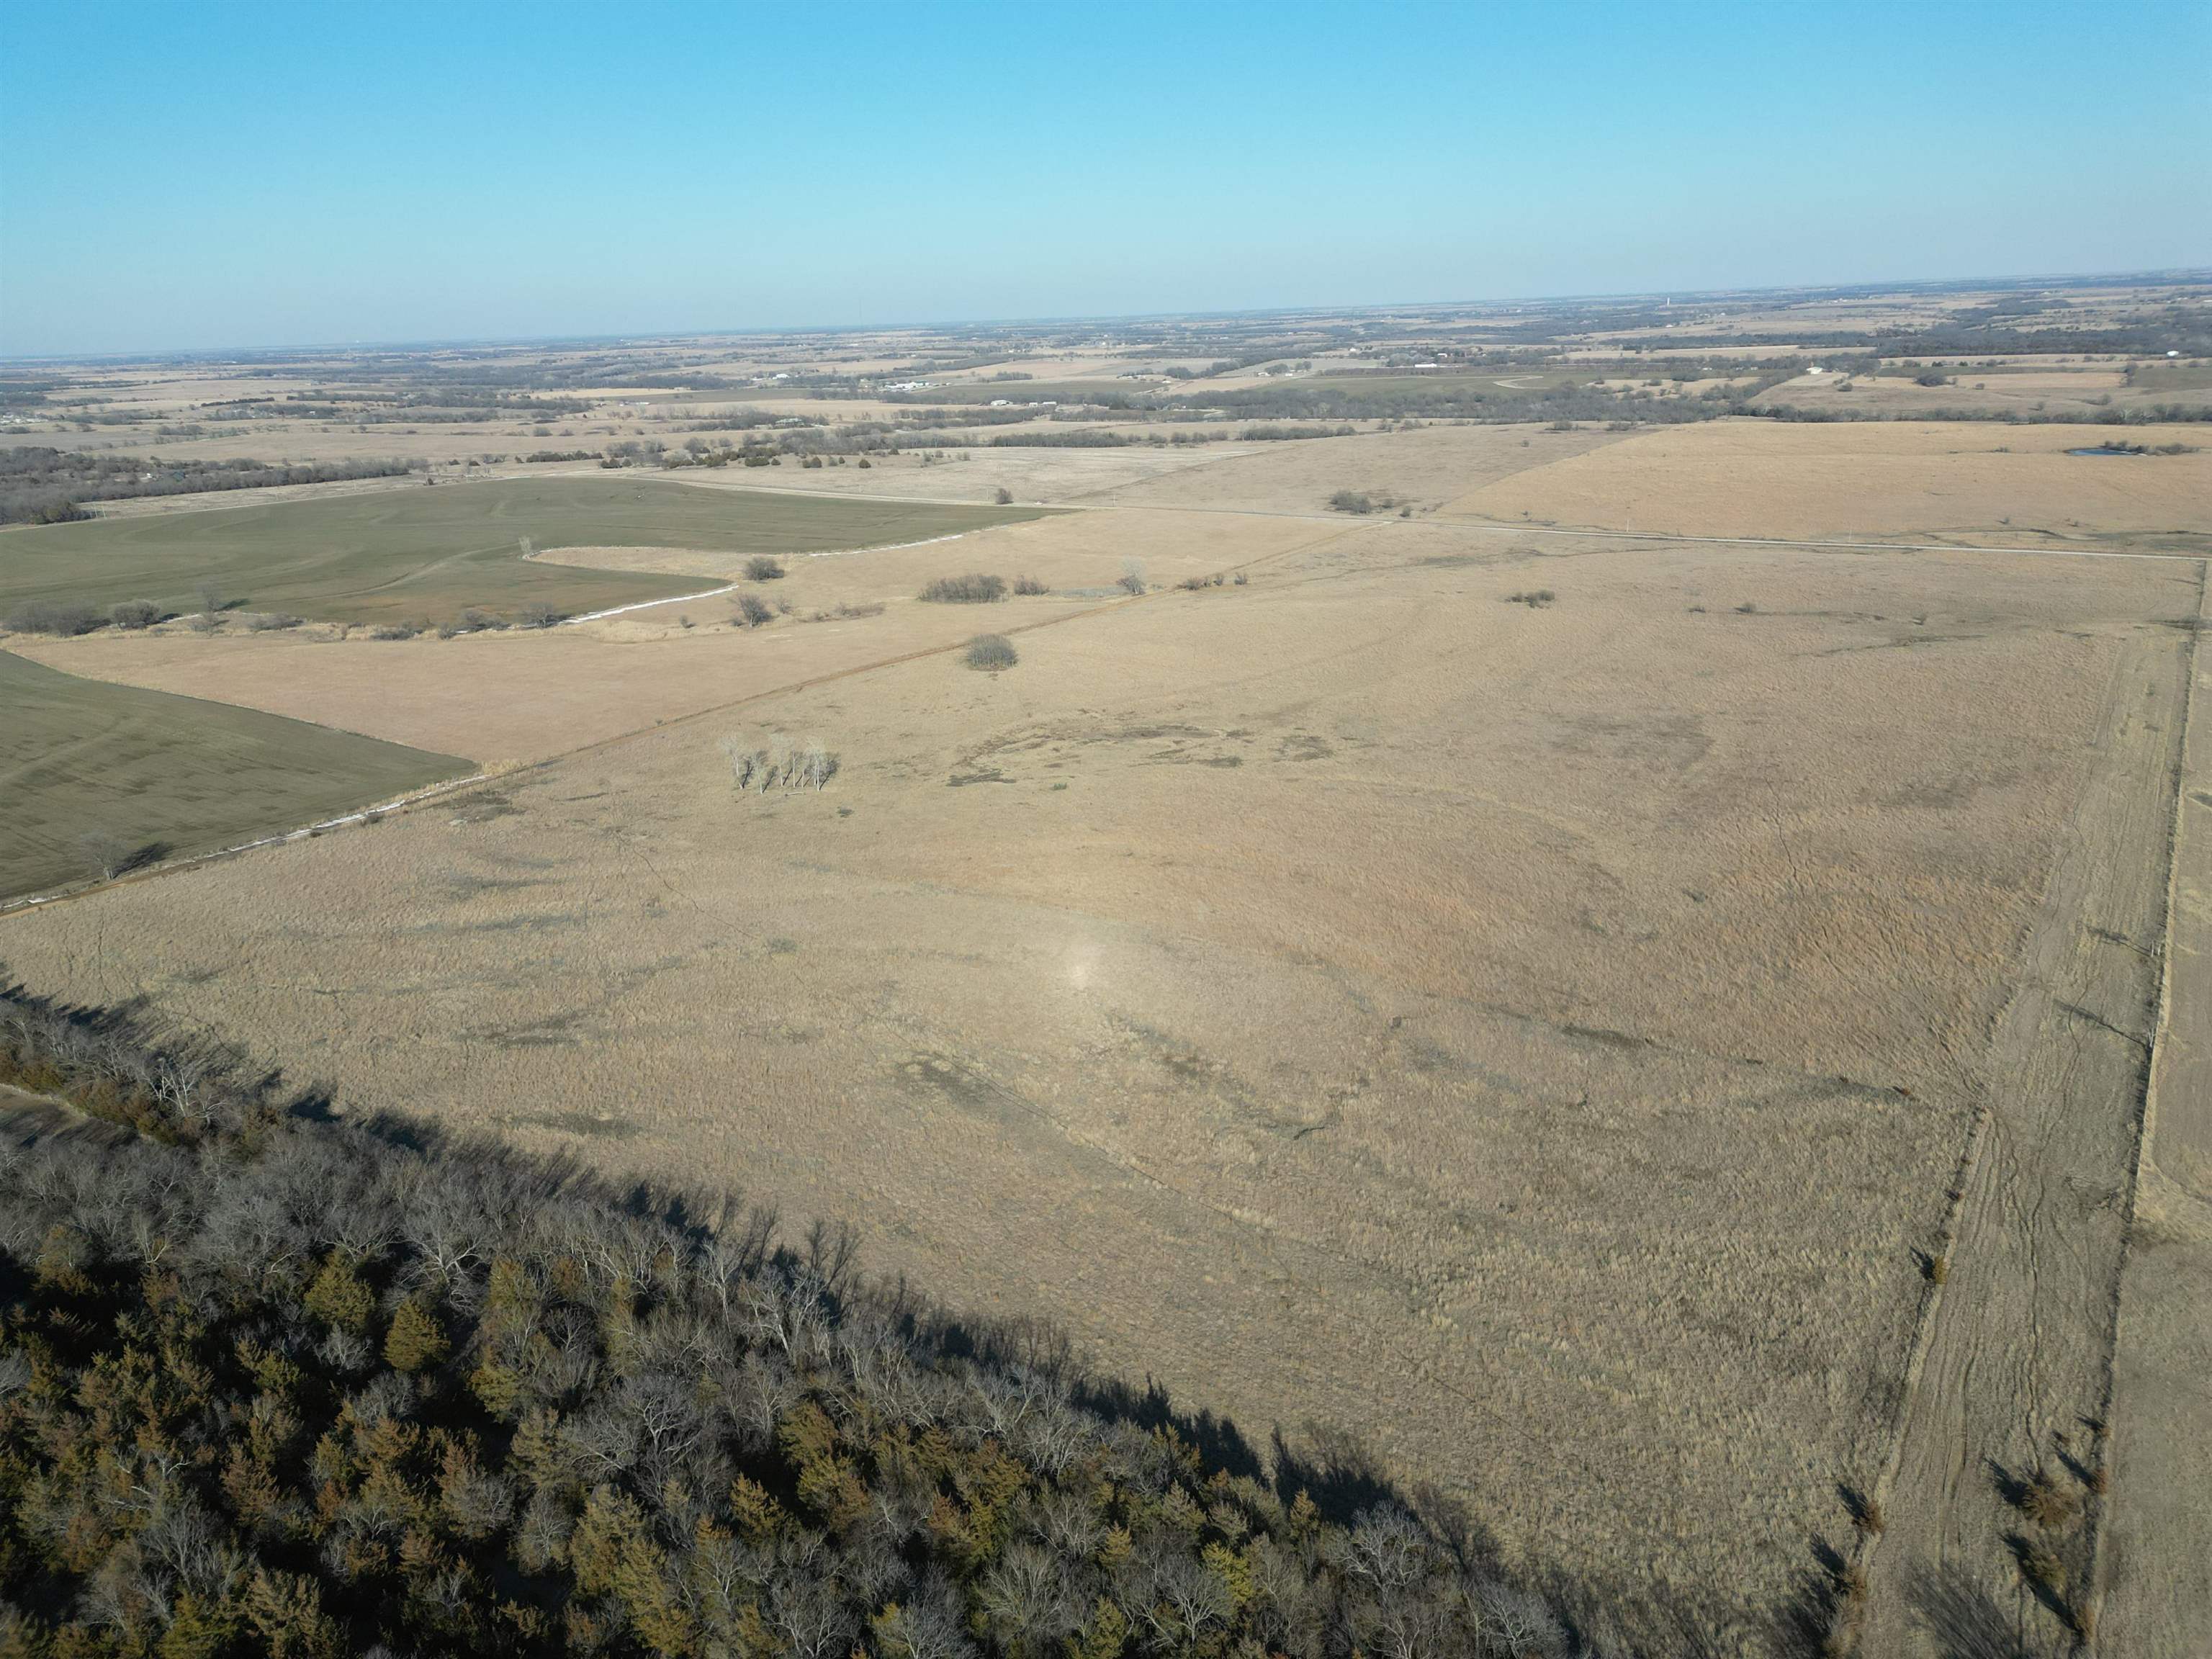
point(206, 175)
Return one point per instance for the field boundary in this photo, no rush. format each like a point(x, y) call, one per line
point(1995, 1500)
point(172, 867)
point(2161, 1060)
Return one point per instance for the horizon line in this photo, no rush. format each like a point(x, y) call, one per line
point(2157, 274)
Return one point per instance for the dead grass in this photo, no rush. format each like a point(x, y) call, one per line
point(1523, 1113)
point(1907, 482)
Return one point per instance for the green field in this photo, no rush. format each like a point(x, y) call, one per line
point(424, 555)
point(144, 769)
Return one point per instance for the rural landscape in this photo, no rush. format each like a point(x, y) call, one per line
point(1524, 977)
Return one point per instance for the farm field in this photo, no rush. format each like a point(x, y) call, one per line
point(427, 555)
point(1424, 468)
point(139, 771)
point(1543, 1035)
point(530, 694)
point(1558, 991)
point(1900, 482)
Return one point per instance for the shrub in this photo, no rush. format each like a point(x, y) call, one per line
point(761, 568)
point(538, 614)
point(992, 652)
point(1351, 501)
point(1132, 577)
point(2040, 1565)
point(267, 622)
point(398, 630)
point(47, 616)
point(1004, 497)
point(974, 588)
point(2043, 1501)
point(133, 614)
point(1535, 599)
point(752, 611)
point(1029, 586)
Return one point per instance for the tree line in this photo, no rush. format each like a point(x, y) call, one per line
point(273, 1382)
point(39, 484)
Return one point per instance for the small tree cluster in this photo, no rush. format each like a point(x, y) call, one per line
point(974, 588)
point(779, 765)
point(51, 616)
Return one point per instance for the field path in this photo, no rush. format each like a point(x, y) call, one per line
point(2156, 1555)
point(2016, 1383)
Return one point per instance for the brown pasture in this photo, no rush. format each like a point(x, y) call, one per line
point(1538, 1037)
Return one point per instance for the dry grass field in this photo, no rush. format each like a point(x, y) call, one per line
point(1894, 482)
point(1422, 468)
point(1645, 1029)
point(1539, 1035)
point(526, 695)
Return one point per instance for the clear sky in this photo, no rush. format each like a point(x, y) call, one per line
point(211, 175)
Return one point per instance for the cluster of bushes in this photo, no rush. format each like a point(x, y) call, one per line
point(277, 1383)
point(990, 652)
point(1335, 398)
point(846, 612)
point(43, 485)
point(779, 765)
point(2142, 414)
point(1252, 435)
point(65, 617)
point(1360, 502)
point(1080, 438)
point(974, 588)
point(65, 510)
